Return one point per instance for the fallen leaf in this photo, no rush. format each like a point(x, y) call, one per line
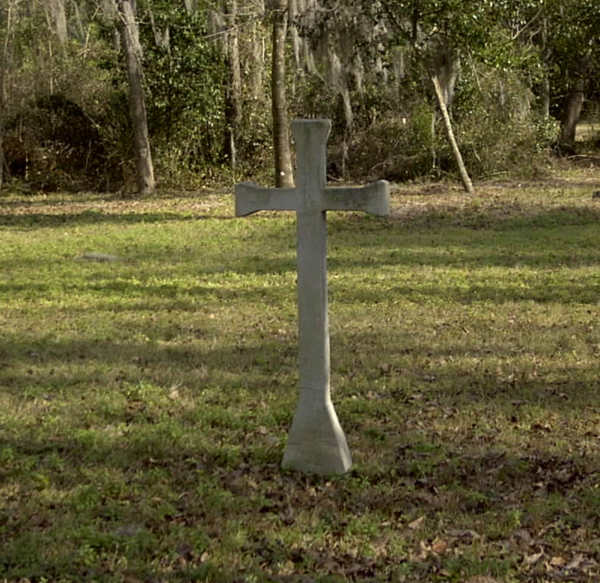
point(465, 534)
point(532, 559)
point(575, 562)
point(416, 524)
point(522, 536)
point(557, 562)
point(424, 550)
point(287, 568)
point(439, 546)
point(541, 427)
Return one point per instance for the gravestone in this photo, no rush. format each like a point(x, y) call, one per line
point(316, 442)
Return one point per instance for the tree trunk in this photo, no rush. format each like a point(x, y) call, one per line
point(59, 16)
point(572, 114)
point(4, 64)
point(433, 152)
point(307, 9)
point(284, 176)
point(191, 6)
point(233, 93)
point(137, 104)
point(464, 175)
point(446, 67)
point(257, 54)
point(545, 97)
point(295, 36)
point(2, 158)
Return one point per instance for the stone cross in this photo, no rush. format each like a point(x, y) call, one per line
point(316, 442)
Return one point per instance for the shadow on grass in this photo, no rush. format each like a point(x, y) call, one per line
point(543, 291)
point(203, 494)
point(93, 217)
point(147, 298)
point(511, 216)
point(82, 364)
point(268, 366)
point(472, 218)
point(143, 480)
point(140, 297)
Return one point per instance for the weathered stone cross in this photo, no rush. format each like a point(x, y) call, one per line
point(316, 442)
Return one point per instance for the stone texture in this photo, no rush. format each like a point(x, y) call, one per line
point(316, 442)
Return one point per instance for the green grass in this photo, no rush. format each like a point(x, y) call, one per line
point(145, 403)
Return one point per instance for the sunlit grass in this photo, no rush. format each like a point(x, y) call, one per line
point(145, 402)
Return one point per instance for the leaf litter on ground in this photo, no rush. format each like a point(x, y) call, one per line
point(144, 407)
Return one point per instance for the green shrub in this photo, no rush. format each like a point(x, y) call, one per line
point(497, 127)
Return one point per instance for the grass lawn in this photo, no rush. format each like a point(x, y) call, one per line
point(145, 402)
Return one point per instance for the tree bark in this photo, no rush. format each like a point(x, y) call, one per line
point(233, 94)
point(257, 56)
point(446, 70)
point(464, 175)
point(295, 36)
point(4, 64)
point(284, 176)
point(191, 6)
point(545, 97)
point(137, 105)
point(572, 114)
point(59, 16)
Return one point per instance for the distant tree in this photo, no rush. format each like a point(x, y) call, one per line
point(7, 15)
point(573, 58)
point(281, 141)
point(137, 105)
point(436, 33)
point(56, 17)
point(256, 63)
point(233, 92)
point(189, 87)
point(563, 34)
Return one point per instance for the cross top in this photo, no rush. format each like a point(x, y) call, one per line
point(316, 442)
point(311, 193)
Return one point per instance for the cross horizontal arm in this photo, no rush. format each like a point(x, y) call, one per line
point(373, 198)
point(251, 198)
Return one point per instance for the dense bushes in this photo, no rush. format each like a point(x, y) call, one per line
point(54, 143)
point(495, 117)
point(67, 125)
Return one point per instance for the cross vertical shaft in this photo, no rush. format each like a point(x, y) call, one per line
point(316, 441)
point(311, 228)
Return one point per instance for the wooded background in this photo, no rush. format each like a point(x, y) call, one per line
point(106, 94)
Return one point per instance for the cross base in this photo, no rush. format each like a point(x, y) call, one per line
point(316, 442)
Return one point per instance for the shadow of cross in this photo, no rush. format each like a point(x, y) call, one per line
point(316, 442)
